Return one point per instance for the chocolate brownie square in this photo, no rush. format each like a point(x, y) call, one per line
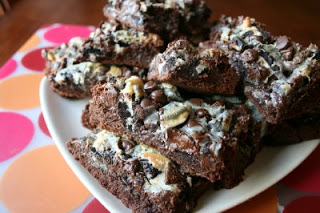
point(204, 138)
point(112, 43)
point(142, 178)
point(199, 71)
point(73, 78)
point(170, 19)
point(281, 77)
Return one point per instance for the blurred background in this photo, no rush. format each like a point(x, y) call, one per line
point(19, 19)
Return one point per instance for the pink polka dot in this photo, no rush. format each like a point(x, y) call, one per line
point(33, 60)
point(8, 68)
point(16, 132)
point(304, 204)
point(43, 125)
point(306, 177)
point(95, 207)
point(64, 33)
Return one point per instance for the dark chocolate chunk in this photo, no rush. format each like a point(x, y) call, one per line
point(287, 54)
point(282, 42)
point(250, 55)
point(148, 169)
point(150, 86)
point(193, 123)
point(125, 145)
point(317, 55)
point(266, 36)
point(159, 96)
point(146, 102)
point(287, 73)
point(248, 33)
point(267, 57)
point(240, 43)
point(200, 113)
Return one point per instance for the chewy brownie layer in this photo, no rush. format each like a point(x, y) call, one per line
point(142, 178)
point(282, 78)
point(113, 43)
point(200, 71)
point(169, 18)
point(203, 138)
point(302, 128)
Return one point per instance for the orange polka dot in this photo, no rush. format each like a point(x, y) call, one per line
point(20, 92)
point(41, 181)
point(266, 202)
point(32, 42)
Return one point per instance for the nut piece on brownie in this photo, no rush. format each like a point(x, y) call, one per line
point(168, 18)
point(281, 77)
point(142, 178)
point(200, 71)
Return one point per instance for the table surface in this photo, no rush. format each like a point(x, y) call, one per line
point(295, 18)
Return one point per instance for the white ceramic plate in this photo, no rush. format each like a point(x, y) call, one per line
point(63, 118)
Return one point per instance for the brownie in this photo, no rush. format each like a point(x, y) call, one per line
point(301, 128)
point(199, 71)
point(168, 18)
point(203, 138)
point(72, 78)
point(142, 178)
point(281, 77)
point(113, 43)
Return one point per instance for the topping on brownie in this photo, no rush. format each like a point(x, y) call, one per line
point(207, 69)
point(279, 74)
point(169, 18)
point(112, 43)
point(139, 175)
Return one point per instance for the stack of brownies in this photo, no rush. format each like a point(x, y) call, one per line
point(179, 104)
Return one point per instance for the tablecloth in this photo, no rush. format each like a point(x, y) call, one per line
point(34, 176)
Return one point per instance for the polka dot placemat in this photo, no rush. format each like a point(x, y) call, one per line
point(31, 166)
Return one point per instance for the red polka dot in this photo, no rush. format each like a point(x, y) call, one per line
point(33, 60)
point(95, 207)
point(16, 132)
point(43, 125)
point(306, 177)
point(8, 68)
point(64, 33)
point(304, 204)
